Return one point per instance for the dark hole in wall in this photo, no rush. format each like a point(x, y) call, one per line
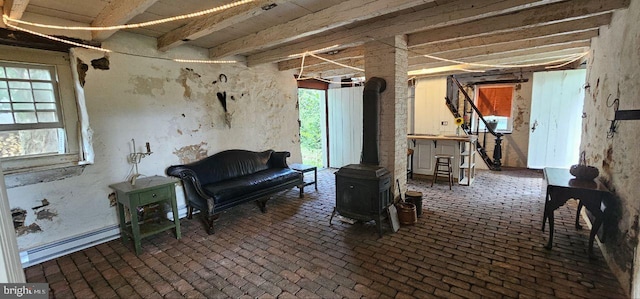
point(112, 199)
point(100, 63)
point(19, 216)
point(82, 69)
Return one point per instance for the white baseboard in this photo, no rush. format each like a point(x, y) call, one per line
point(70, 245)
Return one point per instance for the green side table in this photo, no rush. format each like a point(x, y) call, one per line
point(146, 191)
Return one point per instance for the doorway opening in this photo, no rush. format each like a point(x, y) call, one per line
point(310, 104)
point(556, 118)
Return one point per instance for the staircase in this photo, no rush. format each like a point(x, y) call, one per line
point(495, 163)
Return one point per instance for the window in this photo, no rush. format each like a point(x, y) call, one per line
point(495, 103)
point(43, 122)
point(30, 118)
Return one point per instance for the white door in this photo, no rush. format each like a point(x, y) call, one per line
point(556, 118)
point(345, 126)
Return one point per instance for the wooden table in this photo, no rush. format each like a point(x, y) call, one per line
point(146, 191)
point(302, 168)
point(562, 186)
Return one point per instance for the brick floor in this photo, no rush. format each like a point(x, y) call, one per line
point(482, 241)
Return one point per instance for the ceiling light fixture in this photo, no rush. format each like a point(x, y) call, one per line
point(6, 19)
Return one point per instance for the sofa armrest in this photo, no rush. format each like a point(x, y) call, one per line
point(279, 159)
point(195, 195)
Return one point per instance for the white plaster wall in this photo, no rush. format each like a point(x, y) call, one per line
point(612, 72)
point(174, 107)
point(430, 107)
point(431, 110)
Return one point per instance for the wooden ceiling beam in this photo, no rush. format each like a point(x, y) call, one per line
point(513, 57)
point(337, 56)
point(450, 13)
point(335, 73)
point(519, 33)
point(210, 24)
point(549, 13)
point(330, 18)
point(519, 41)
point(118, 12)
point(564, 39)
point(14, 9)
point(355, 62)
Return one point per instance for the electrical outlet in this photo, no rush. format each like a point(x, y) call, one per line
point(444, 123)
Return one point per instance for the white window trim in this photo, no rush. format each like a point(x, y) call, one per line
point(79, 149)
point(509, 129)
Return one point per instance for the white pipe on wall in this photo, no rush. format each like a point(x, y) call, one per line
point(10, 266)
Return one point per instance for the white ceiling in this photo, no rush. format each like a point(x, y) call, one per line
point(480, 31)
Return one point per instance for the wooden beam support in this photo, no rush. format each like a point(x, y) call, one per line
point(319, 68)
point(342, 72)
point(118, 12)
point(454, 12)
point(515, 57)
point(565, 39)
point(335, 16)
point(549, 13)
point(474, 49)
point(27, 40)
point(338, 56)
point(215, 22)
point(520, 33)
point(14, 8)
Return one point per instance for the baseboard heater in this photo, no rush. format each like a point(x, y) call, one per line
point(41, 254)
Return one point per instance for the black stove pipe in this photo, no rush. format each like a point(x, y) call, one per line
point(370, 102)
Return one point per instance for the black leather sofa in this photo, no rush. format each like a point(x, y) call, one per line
point(229, 178)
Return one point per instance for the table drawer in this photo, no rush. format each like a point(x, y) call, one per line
point(154, 195)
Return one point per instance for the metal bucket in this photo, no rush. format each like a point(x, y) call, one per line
point(415, 198)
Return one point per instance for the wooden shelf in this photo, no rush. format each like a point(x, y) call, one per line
point(467, 169)
point(465, 181)
point(151, 228)
point(466, 165)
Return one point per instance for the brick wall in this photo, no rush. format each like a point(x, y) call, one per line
point(387, 59)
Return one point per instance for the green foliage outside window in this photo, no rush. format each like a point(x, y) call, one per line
point(310, 101)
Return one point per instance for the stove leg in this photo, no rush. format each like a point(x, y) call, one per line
point(379, 227)
point(332, 214)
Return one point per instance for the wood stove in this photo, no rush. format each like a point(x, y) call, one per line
point(363, 190)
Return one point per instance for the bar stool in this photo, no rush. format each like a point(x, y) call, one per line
point(410, 163)
point(445, 161)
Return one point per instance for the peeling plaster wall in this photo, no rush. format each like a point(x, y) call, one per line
point(612, 72)
point(146, 99)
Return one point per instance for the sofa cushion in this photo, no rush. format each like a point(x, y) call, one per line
point(229, 190)
point(229, 164)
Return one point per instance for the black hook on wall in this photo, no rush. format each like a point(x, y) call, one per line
point(614, 123)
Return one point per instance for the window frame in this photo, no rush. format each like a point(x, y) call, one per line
point(78, 148)
point(59, 124)
point(509, 128)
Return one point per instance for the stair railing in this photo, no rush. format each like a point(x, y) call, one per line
point(496, 164)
